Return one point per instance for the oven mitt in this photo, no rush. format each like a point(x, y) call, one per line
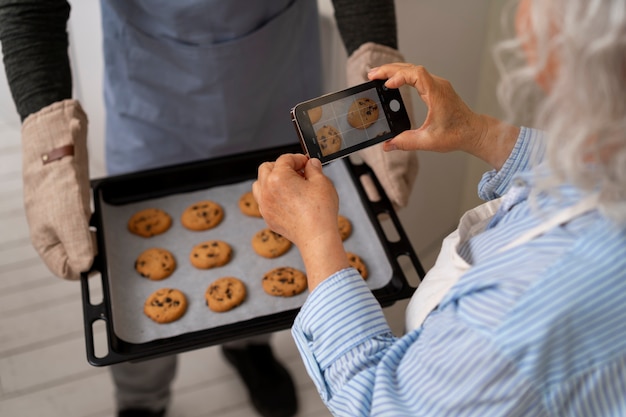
point(56, 187)
point(396, 170)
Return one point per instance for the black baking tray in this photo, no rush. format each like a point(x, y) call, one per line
point(143, 185)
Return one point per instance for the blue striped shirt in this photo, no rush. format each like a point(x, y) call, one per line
point(538, 330)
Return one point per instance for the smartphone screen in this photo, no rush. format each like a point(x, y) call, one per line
point(337, 124)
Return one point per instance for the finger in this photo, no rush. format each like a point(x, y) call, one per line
point(405, 141)
point(295, 162)
point(264, 169)
point(406, 74)
point(387, 70)
point(256, 191)
point(313, 169)
point(409, 140)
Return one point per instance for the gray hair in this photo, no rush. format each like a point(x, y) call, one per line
point(584, 113)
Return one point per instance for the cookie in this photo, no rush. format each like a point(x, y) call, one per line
point(210, 254)
point(315, 114)
point(248, 205)
point(356, 262)
point(284, 282)
point(345, 227)
point(165, 305)
point(363, 113)
point(155, 263)
point(225, 294)
point(270, 244)
point(202, 215)
point(149, 222)
point(329, 139)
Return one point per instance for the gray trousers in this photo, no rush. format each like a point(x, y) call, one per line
point(147, 384)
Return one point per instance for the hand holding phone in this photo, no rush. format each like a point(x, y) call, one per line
point(335, 125)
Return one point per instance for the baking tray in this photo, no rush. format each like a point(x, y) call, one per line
point(131, 336)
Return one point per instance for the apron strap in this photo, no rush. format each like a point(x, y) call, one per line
point(587, 204)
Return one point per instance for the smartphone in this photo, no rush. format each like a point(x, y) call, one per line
point(337, 124)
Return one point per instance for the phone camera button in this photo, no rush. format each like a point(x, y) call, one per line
point(394, 105)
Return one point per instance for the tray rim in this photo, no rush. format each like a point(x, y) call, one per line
point(122, 351)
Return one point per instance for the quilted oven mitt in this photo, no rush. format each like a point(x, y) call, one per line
point(56, 187)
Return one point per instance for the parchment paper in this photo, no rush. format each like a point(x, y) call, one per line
point(129, 290)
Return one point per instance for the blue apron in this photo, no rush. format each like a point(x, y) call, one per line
point(193, 79)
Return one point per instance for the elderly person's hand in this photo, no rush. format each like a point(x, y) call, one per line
point(299, 202)
point(450, 124)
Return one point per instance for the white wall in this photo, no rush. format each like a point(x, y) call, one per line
point(449, 37)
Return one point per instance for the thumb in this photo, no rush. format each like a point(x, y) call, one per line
point(313, 169)
point(409, 140)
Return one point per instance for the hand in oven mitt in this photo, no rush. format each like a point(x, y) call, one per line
point(56, 187)
point(396, 170)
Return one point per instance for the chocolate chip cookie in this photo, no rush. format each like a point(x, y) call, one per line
point(149, 222)
point(356, 262)
point(345, 227)
point(248, 205)
point(225, 293)
point(155, 263)
point(270, 244)
point(203, 215)
point(210, 254)
point(165, 305)
point(284, 282)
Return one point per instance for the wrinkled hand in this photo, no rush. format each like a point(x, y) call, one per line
point(56, 187)
point(396, 171)
point(295, 198)
point(299, 202)
point(450, 124)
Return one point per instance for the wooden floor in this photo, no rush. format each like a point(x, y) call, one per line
point(43, 366)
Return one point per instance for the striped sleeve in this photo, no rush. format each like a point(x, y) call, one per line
point(343, 315)
point(527, 149)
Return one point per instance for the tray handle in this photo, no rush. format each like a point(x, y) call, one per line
point(398, 243)
point(92, 313)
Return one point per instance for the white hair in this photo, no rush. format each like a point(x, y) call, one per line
point(584, 111)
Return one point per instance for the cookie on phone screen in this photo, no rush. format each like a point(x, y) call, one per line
point(329, 139)
point(363, 113)
point(315, 114)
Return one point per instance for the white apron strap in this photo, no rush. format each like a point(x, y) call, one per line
point(587, 204)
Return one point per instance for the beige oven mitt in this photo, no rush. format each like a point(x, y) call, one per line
point(396, 170)
point(56, 187)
